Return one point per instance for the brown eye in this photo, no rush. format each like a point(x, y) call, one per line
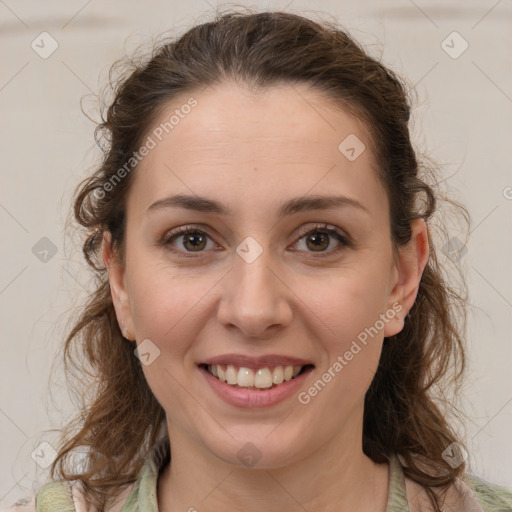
point(319, 240)
point(192, 240)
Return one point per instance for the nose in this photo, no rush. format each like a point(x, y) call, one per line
point(255, 298)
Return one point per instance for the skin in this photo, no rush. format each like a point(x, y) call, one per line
point(252, 152)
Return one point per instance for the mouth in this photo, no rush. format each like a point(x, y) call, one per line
point(263, 378)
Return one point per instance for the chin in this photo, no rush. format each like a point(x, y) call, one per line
point(261, 447)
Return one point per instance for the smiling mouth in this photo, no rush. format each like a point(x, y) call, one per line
point(262, 378)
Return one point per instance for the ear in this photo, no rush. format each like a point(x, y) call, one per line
point(120, 297)
point(409, 266)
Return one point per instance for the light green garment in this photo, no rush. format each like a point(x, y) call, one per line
point(56, 496)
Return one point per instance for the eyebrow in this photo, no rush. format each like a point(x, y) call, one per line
point(290, 207)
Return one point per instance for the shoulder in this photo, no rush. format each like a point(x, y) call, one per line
point(467, 494)
point(69, 497)
point(492, 497)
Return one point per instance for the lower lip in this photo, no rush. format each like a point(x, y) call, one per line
point(250, 398)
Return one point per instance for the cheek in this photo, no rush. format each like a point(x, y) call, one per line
point(346, 310)
point(348, 302)
point(167, 310)
point(165, 305)
point(348, 315)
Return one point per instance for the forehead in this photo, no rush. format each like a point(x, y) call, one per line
point(233, 139)
point(276, 118)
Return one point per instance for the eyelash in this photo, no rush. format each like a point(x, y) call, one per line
point(318, 228)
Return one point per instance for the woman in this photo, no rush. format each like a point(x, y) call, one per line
point(270, 316)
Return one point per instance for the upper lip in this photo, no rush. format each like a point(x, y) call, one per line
point(241, 360)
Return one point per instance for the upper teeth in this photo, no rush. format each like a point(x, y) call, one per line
point(247, 377)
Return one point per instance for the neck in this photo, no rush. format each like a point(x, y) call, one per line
point(337, 476)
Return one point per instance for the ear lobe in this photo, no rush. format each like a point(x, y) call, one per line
point(412, 260)
point(116, 277)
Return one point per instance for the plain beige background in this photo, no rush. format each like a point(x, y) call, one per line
point(462, 118)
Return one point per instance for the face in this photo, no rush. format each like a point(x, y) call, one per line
point(263, 272)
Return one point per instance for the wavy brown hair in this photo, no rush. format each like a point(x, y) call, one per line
point(120, 419)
